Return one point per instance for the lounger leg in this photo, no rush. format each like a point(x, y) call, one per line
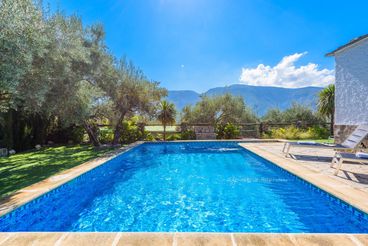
point(283, 149)
point(287, 150)
point(334, 160)
point(339, 166)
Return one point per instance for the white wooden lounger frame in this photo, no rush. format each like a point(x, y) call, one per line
point(350, 144)
point(340, 158)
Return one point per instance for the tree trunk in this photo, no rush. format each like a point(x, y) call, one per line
point(332, 124)
point(92, 137)
point(39, 129)
point(164, 132)
point(8, 129)
point(117, 131)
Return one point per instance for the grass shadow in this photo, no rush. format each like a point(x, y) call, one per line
point(23, 169)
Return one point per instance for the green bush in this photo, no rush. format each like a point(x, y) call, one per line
point(76, 134)
point(148, 137)
point(106, 135)
point(66, 134)
point(316, 132)
point(227, 131)
point(188, 135)
point(130, 132)
point(173, 137)
point(293, 133)
point(159, 136)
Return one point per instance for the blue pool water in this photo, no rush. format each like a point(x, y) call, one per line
point(187, 187)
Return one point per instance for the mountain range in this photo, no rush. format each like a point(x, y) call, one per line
point(259, 98)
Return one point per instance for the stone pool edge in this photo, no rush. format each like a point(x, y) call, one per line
point(29, 193)
point(177, 239)
point(340, 190)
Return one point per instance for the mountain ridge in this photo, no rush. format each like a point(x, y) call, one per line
point(259, 98)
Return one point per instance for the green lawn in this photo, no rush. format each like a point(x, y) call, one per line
point(23, 169)
point(327, 140)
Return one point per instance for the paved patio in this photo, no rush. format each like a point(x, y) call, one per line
point(178, 239)
point(319, 160)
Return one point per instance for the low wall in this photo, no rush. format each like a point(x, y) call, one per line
point(204, 132)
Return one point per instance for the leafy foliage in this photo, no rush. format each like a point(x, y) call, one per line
point(219, 110)
point(130, 132)
point(296, 113)
point(166, 114)
point(106, 135)
point(173, 137)
point(130, 93)
point(188, 135)
point(56, 73)
point(295, 133)
point(227, 131)
point(326, 103)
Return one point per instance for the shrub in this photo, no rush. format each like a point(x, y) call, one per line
point(148, 137)
point(106, 135)
point(159, 136)
point(188, 135)
point(76, 134)
point(294, 133)
point(64, 135)
point(130, 132)
point(316, 132)
point(173, 137)
point(227, 131)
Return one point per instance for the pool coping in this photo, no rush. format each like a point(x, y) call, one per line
point(177, 239)
point(348, 194)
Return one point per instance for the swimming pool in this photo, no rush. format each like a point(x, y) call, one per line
point(187, 187)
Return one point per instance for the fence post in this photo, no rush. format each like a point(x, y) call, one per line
point(261, 129)
point(141, 126)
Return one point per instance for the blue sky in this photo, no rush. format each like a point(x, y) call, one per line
point(200, 44)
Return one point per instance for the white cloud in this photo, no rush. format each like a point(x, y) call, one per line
point(285, 74)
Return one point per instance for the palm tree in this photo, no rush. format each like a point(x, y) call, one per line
point(326, 103)
point(166, 114)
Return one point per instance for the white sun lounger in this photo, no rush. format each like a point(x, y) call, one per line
point(341, 157)
point(351, 143)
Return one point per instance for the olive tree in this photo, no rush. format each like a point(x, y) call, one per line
point(218, 110)
point(130, 93)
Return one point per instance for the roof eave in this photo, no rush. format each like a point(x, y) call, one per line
point(348, 45)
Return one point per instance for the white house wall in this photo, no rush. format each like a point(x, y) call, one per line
point(352, 85)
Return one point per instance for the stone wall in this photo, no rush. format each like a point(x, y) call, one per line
point(204, 132)
point(342, 132)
